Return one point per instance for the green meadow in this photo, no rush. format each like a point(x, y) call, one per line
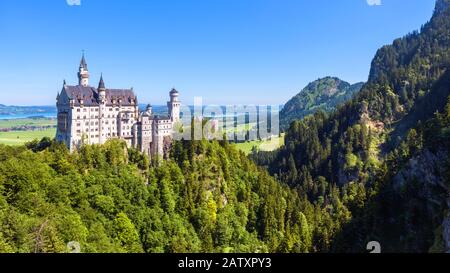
point(16, 138)
point(10, 123)
point(261, 145)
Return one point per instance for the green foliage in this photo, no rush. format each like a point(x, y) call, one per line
point(208, 197)
point(126, 234)
point(351, 161)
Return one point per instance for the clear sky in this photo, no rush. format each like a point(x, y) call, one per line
point(227, 51)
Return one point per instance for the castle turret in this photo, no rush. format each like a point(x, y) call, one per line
point(102, 108)
point(83, 73)
point(149, 110)
point(174, 105)
point(101, 90)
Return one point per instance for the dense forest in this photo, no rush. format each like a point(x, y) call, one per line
point(322, 94)
point(390, 143)
point(208, 197)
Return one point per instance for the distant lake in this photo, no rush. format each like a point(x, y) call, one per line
point(28, 115)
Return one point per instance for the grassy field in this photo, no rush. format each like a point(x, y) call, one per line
point(16, 138)
point(262, 145)
point(20, 137)
point(10, 123)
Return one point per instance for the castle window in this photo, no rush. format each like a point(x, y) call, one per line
point(78, 110)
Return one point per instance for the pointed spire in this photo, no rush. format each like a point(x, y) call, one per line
point(101, 84)
point(83, 63)
point(64, 83)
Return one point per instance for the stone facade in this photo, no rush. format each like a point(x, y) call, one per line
point(88, 115)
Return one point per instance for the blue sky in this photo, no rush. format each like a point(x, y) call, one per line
point(227, 51)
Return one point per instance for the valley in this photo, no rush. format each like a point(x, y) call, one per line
point(353, 164)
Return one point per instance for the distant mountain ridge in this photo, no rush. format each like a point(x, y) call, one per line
point(25, 110)
point(325, 94)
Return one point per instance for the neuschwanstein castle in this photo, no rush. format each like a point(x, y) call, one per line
point(89, 115)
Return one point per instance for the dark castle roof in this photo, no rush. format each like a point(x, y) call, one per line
point(89, 96)
point(161, 117)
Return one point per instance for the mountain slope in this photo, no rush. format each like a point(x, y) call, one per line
point(369, 142)
point(324, 94)
point(407, 84)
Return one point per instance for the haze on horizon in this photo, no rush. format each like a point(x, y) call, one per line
point(227, 51)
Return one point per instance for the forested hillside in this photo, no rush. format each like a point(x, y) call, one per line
point(208, 197)
point(363, 141)
point(323, 94)
point(410, 213)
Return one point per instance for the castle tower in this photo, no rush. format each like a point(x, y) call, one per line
point(102, 109)
point(149, 110)
point(174, 105)
point(83, 73)
point(101, 91)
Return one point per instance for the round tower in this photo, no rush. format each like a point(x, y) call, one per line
point(83, 73)
point(174, 105)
